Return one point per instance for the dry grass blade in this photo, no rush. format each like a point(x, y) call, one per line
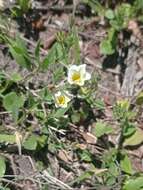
point(52, 180)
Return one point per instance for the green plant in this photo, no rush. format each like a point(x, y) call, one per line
point(118, 19)
point(21, 8)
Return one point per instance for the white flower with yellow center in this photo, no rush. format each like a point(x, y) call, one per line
point(77, 74)
point(62, 99)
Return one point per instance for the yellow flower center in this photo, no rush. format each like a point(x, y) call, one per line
point(76, 76)
point(61, 100)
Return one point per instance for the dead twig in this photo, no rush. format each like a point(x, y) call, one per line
point(66, 8)
point(50, 179)
point(11, 182)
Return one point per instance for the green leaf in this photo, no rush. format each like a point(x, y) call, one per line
point(75, 117)
point(12, 101)
point(124, 105)
point(16, 77)
point(24, 5)
point(19, 52)
point(122, 112)
point(4, 138)
point(59, 52)
point(129, 130)
point(30, 143)
point(139, 100)
point(18, 57)
point(113, 169)
point(123, 14)
point(135, 139)
point(4, 188)
point(109, 14)
point(21, 45)
point(138, 4)
point(58, 73)
point(42, 140)
point(85, 156)
point(112, 36)
point(106, 47)
point(101, 129)
point(116, 25)
point(46, 95)
point(85, 175)
point(21, 7)
point(126, 165)
point(50, 58)
point(60, 112)
point(99, 104)
point(96, 6)
point(134, 184)
point(55, 54)
point(2, 166)
point(37, 51)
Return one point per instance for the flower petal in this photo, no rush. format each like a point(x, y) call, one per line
point(67, 99)
point(69, 79)
point(81, 83)
point(82, 68)
point(58, 94)
point(88, 76)
point(73, 68)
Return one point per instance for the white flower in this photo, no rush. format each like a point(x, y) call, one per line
point(78, 74)
point(62, 99)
